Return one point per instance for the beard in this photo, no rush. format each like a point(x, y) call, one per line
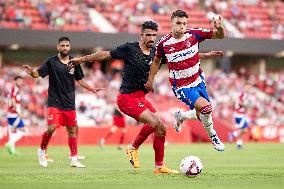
point(64, 53)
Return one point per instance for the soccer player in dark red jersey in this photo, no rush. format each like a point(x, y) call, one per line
point(61, 98)
point(131, 100)
point(180, 47)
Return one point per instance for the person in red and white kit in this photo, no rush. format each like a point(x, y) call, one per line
point(180, 49)
point(241, 115)
point(61, 99)
point(14, 116)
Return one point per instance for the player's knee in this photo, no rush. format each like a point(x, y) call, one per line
point(161, 130)
point(51, 129)
point(206, 109)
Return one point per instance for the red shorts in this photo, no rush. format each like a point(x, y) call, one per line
point(118, 121)
point(134, 104)
point(61, 117)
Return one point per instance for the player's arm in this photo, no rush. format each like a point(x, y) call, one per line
point(85, 85)
point(31, 71)
point(211, 54)
point(16, 107)
point(153, 71)
point(219, 32)
point(98, 56)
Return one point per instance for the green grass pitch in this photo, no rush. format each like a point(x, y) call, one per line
point(255, 166)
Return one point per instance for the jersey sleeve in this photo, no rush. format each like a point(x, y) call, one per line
point(159, 50)
point(201, 34)
point(44, 68)
point(119, 52)
point(78, 74)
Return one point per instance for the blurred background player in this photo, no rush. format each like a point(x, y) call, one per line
point(61, 99)
point(118, 118)
point(180, 47)
point(241, 116)
point(14, 116)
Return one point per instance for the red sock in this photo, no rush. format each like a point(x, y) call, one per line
point(72, 142)
point(159, 147)
point(121, 139)
point(108, 135)
point(143, 134)
point(44, 140)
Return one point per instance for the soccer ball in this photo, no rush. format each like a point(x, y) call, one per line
point(191, 166)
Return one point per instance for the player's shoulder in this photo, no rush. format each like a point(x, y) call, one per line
point(164, 38)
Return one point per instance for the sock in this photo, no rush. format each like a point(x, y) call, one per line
point(108, 135)
point(45, 140)
point(143, 134)
point(206, 118)
point(72, 142)
point(239, 142)
point(190, 114)
point(14, 138)
point(159, 147)
point(121, 139)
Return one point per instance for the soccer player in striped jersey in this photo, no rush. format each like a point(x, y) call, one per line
point(180, 49)
point(14, 116)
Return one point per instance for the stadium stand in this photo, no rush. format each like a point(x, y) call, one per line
point(253, 18)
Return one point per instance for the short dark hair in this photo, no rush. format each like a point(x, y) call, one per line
point(149, 25)
point(18, 77)
point(64, 38)
point(179, 13)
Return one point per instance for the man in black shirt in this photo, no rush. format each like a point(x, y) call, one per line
point(131, 101)
point(61, 98)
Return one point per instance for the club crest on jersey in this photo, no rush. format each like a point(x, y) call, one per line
point(50, 117)
point(188, 44)
point(172, 49)
point(71, 71)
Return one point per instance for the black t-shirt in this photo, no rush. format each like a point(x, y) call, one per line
point(61, 89)
point(136, 66)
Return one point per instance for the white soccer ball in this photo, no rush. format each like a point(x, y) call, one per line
point(191, 166)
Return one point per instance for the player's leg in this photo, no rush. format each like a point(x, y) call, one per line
point(180, 116)
point(112, 131)
point(242, 131)
point(70, 120)
point(16, 132)
point(205, 109)
point(46, 136)
point(121, 138)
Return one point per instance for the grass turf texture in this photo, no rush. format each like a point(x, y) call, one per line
point(255, 166)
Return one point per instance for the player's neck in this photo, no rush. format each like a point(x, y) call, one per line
point(177, 35)
point(64, 59)
point(144, 48)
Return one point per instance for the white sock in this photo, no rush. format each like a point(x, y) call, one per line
point(208, 124)
point(74, 158)
point(239, 142)
point(190, 114)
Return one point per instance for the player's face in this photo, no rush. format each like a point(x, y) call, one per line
point(64, 48)
point(19, 82)
point(179, 25)
point(148, 37)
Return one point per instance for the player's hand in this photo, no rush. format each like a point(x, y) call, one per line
point(213, 54)
point(149, 86)
point(28, 69)
point(217, 23)
point(95, 90)
point(74, 61)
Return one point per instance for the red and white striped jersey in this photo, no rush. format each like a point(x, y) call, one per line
point(14, 94)
point(182, 56)
point(241, 104)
